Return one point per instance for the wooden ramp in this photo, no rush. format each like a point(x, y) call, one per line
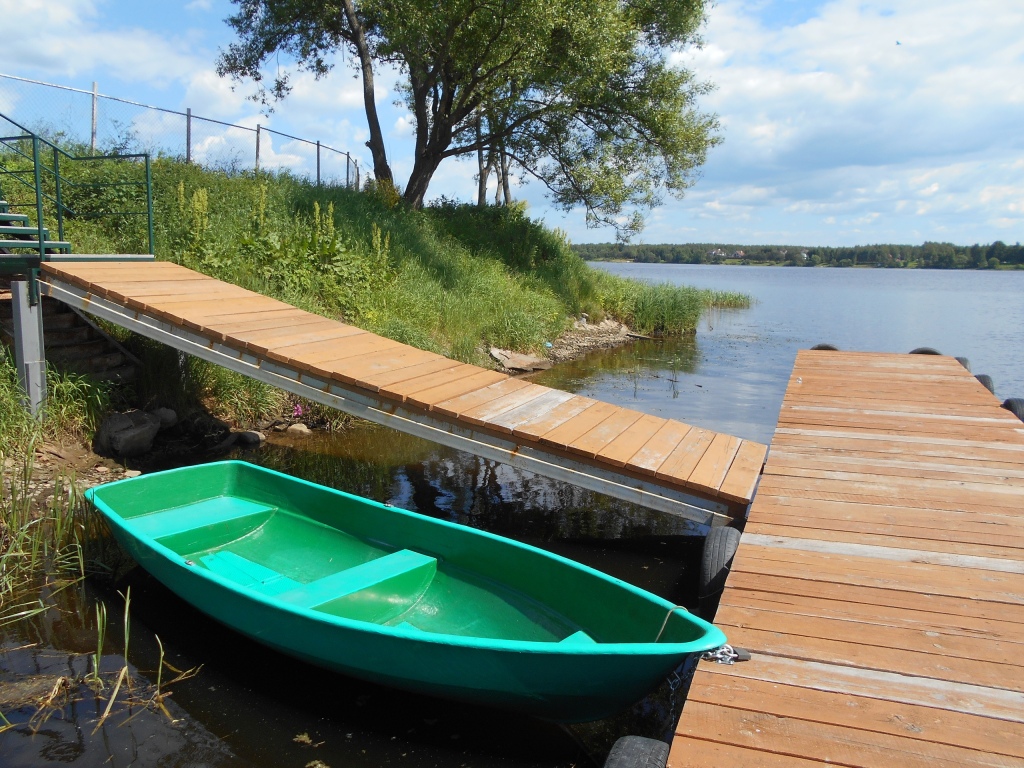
point(655, 462)
point(880, 581)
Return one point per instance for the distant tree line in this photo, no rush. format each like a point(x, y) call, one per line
point(927, 256)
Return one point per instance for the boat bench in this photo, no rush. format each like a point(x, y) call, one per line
point(204, 525)
point(375, 591)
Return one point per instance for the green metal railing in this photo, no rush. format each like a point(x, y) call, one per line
point(23, 161)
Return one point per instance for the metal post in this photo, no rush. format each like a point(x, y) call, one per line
point(357, 176)
point(188, 135)
point(95, 102)
point(149, 201)
point(39, 198)
point(59, 200)
point(348, 170)
point(318, 162)
point(29, 356)
point(257, 149)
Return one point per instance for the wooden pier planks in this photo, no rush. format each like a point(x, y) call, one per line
point(879, 582)
point(712, 466)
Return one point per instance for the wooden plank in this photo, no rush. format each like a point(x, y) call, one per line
point(473, 381)
point(620, 450)
point(686, 455)
point(652, 455)
point(876, 639)
point(460, 375)
point(359, 370)
point(943, 696)
point(278, 320)
point(937, 542)
point(457, 404)
point(604, 433)
point(374, 382)
point(916, 619)
point(813, 740)
point(547, 420)
point(579, 425)
point(805, 585)
point(889, 550)
point(282, 343)
point(866, 571)
point(484, 414)
point(532, 411)
point(967, 731)
point(713, 466)
point(744, 473)
point(695, 752)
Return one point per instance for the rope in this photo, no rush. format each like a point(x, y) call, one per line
point(665, 622)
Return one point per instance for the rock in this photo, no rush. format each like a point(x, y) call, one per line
point(250, 439)
point(132, 473)
point(168, 418)
point(226, 443)
point(514, 361)
point(127, 434)
point(102, 470)
point(298, 429)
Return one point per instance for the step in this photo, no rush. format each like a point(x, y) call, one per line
point(74, 335)
point(48, 245)
point(21, 231)
point(51, 309)
point(77, 352)
point(8, 216)
point(120, 375)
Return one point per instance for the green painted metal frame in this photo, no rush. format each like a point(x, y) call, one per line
point(29, 265)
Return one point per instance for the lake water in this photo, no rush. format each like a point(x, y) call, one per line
point(247, 704)
point(739, 361)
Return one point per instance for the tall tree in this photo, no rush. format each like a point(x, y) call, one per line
point(582, 95)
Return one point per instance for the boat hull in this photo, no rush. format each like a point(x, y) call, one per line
point(560, 679)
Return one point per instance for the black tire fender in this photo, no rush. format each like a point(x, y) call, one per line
point(829, 347)
point(964, 362)
point(637, 752)
point(925, 351)
point(1015, 405)
point(986, 382)
point(719, 549)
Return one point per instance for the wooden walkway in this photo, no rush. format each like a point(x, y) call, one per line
point(879, 583)
point(657, 462)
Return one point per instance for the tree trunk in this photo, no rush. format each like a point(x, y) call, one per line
point(381, 169)
point(483, 170)
point(419, 179)
point(506, 190)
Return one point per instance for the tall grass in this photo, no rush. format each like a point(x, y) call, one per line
point(41, 529)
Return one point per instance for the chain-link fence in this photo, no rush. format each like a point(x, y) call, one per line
point(110, 124)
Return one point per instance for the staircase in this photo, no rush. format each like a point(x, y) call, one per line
point(16, 234)
point(72, 342)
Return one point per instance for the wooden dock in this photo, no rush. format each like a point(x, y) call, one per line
point(879, 582)
point(656, 462)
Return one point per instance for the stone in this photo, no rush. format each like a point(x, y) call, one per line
point(168, 418)
point(132, 473)
point(514, 361)
point(299, 429)
point(127, 434)
point(251, 438)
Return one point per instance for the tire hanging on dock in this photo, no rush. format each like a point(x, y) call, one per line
point(719, 549)
point(637, 752)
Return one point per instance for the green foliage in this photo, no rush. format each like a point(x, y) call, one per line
point(929, 255)
point(585, 96)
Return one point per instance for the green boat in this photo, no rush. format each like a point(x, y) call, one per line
point(399, 598)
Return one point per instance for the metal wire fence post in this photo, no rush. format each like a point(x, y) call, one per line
point(188, 135)
point(257, 148)
point(95, 105)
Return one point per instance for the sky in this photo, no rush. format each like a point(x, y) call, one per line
point(843, 123)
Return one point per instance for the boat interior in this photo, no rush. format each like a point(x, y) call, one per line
point(315, 548)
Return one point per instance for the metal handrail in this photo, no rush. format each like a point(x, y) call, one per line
point(39, 168)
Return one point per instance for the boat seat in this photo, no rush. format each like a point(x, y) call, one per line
point(201, 514)
point(374, 591)
point(247, 573)
point(578, 638)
